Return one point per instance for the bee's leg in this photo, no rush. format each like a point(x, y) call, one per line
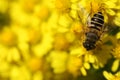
point(99, 44)
point(105, 29)
point(78, 15)
point(100, 41)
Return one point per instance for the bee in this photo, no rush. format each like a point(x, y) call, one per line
point(93, 35)
point(94, 28)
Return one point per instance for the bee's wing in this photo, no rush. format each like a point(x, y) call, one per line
point(84, 16)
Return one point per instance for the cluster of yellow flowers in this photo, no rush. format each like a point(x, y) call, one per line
point(42, 40)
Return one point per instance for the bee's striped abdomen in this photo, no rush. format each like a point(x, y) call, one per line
point(97, 21)
point(95, 27)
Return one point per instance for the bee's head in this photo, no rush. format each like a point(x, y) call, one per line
point(88, 45)
point(91, 39)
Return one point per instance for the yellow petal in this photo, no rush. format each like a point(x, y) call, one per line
point(115, 65)
point(118, 35)
point(38, 76)
point(87, 65)
point(117, 21)
point(83, 71)
point(95, 66)
point(110, 12)
point(107, 75)
point(91, 58)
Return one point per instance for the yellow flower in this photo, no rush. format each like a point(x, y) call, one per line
point(18, 16)
point(112, 9)
point(34, 36)
point(4, 4)
point(19, 73)
point(78, 30)
point(28, 5)
point(13, 55)
point(116, 55)
point(44, 46)
point(58, 61)
point(47, 36)
point(98, 57)
point(116, 52)
point(4, 68)
point(74, 64)
point(80, 60)
point(35, 64)
point(115, 65)
point(38, 75)
point(117, 19)
point(62, 6)
point(24, 50)
point(60, 42)
point(109, 8)
point(8, 37)
point(110, 76)
point(42, 12)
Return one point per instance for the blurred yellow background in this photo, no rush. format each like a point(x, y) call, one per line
point(38, 41)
